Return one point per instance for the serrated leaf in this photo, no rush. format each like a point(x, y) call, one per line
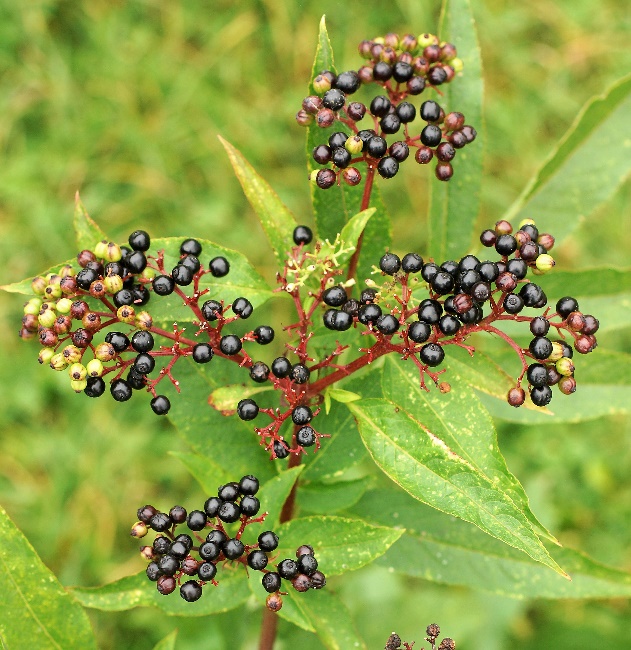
point(454, 205)
point(277, 221)
point(329, 498)
point(243, 280)
point(425, 467)
point(168, 643)
point(443, 549)
point(331, 619)
point(226, 398)
point(137, 591)
point(204, 470)
point(460, 421)
point(585, 169)
point(88, 233)
point(229, 442)
point(24, 286)
point(340, 544)
point(334, 207)
point(36, 610)
point(274, 493)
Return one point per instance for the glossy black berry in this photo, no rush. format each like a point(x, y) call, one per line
point(191, 591)
point(382, 71)
point(259, 372)
point(335, 296)
point(305, 436)
point(163, 285)
point(139, 240)
point(369, 313)
point(233, 549)
point(120, 390)
point(337, 139)
point(190, 247)
point(136, 380)
point(541, 396)
point(211, 310)
point(178, 515)
point(257, 560)
point(488, 271)
point(307, 564)
point(390, 263)
point(140, 294)
point(513, 303)
point(268, 541)
point(429, 271)
point(216, 537)
point(450, 266)
point(419, 332)
point(387, 324)
point(123, 297)
point(367, 296)
point(443, 283)
point(95, 387)
point(380, 106)
point(505, 244)
point(250, 506)
point(565, 306)
point(402, 71)
point(263, 334)
point(247, 409)
point(168, 565)
point(136, 262)
point(144, 364)
point(212, 505)
point(340, 157)
point(153, 571)
point(178, 550)
point(348, 82)
point(430, 311)
point(430, 111)
point(390, 123)
point(219, 267)
point(142, 341)
point(376, 147)
point(160, 522)
point(322, 155)
point(301, 415)
point(412, 263)
point(206, 571)
point(281, 367)
point(229, 512)
point(242, 307)
point(161, 545)
point(249, 485)
point(399, 151)
point(280, 450)
point(431, 135)
point(300, 373)
point(537, 375)
point(182, 275)
point(271, 582)
point(196, 520)
point(432, 354)
point(160, 405)
point(202, 353)
point(229, 491)
point(287, 569)
point(449, 325)
point(230, 344)
point(540, 347)
point(466, 279)
point(518, 267)
point(539, 326)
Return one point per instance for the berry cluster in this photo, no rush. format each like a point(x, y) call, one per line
point(72, 306)
point(171, 555)
point(403, 68)
point(433, 631)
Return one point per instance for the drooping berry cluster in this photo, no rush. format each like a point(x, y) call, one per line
point(433, 631)
point(105, 293)
point(173, 557)
point(403, 68)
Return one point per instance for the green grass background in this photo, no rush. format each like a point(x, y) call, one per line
point(123, 101)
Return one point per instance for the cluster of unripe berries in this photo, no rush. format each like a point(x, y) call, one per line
point(402, 68)
point(433, 631)
point(175, 557)
point(71, 307)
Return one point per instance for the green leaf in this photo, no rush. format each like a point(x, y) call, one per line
point(204, 470)
point(330, 618)
point(228, 442)
point(459, 420)
point(276, 219)
point(424, 465)
point(340, 544)
point(168, 643)
point(343, 396)
point(443, 549)
point(137, 591)
point(603, 389)
point(352, 231)
point(36, 610)
point(274, 493)
point(327, 498)
point(586, 168)
point(243, 280)
point(24, 286)
point(226, 398)
point(454, 205)
point(87, 232)
point(334, 207)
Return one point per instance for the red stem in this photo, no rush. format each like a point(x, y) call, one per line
point(370, 177)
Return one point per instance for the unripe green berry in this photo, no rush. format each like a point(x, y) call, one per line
point(79, 385)
point(457, 65)
point(65, 271)
point(94, 368)
point(544, 262)
point(101, 249)
point(45, 355)
point(321, 84)
point(565, 366)
point(427, 39)
point(113, 252)
point(77, 372)
point(38, 285)
point(144, 320)
point(47, 318)
point(58, 362)
point(32, 307)
point(148, 274)
point(139, 529)
point(113, 284)
point(72, 354)
point(52, 291)
point(63, 305)
point(557, 351)
point(526, 222)
point(104, 352)
point(126, 314)
point(354, 144)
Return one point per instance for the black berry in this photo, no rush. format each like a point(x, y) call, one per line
point(432, 354)
point(268, 541)
point(163, 285)
point(120, 390)
point(191, 591)
point(160, 405)
point(190, 247)
point(219, 267)
point(230, 344)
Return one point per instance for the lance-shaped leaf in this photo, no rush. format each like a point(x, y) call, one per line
point(168, 643)
point(137, 591)
point(424, 465)
point(460, 421)
point(277, 221)
point(454, 205)
point(352, 231)
point(328, 498)
point(334, 207)
point(87, 232)
point(226, 398)
point(24, 286)
point(585, 170)
point(443, 549)
point(36, 611)
point(209, 474)
point(340, 544)
point(274, 493)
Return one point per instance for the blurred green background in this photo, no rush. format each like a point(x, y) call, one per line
point(123, 101)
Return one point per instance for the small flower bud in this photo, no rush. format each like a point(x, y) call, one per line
point(63, 305)
point(321, 84)
point(139, 529)
point(113, 284)
point(71, 354)
point(38, 285)
point(104, 352)
point(65, 271)
point(58, 362)
point(78, 385)
point(447, 644)
point(113, 252)
point(564, 366)
point(45, 355)
point(408, 43)
point(544, 262)
point(126, 314)
point(144, 320)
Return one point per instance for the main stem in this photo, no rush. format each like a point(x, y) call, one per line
point(352, 265)
point(270, 619)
